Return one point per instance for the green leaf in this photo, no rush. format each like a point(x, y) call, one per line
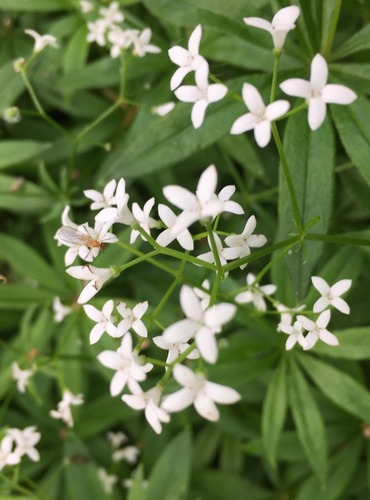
point(359, 41)
point(308, 421)
point(339, 387)
point(22, 296)
point(24, 197)
point(34, 5)
point(311, 166)
point(26, 261)
point(20, 151)
point(75, 54)
point(11, 86)
point(353, 126)
point(240, 149)
point(172, 138)
point(274, 411)
point(137, 490)
point(169, 479)
point(342, 468)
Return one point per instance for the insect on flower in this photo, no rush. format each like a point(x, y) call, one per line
point(73, 236)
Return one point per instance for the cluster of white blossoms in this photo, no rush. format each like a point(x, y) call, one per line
point(316, 92)
point(63, 411)
point(106, 30)
point(18, 443)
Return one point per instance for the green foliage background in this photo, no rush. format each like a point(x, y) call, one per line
point(302, 428)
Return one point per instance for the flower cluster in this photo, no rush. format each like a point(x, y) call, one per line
point(106, 30)
point(316, 92)
point(63, 411)
point(17, 443)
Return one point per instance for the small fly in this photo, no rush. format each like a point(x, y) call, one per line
point(72, 236)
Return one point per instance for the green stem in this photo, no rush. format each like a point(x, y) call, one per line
point(152, 261)
point(325, 50)
point(293, 111)
point(277, 55)
point(171, 366)
point(288, 178)
point(99, 119)
point(338, 240)
point(133, 262)
point(220, 272)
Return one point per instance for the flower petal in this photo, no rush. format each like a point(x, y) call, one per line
point(320, 284)
point(276, 109)
point(338, 94)
point(198, 112)
point(194, 40)
point(244, 123)
point(319, 72)
point(262, 133)
point(316, 112)
point(221, 393)
point(296, 87)
point(341, 305)
point(253, 99)
point(190, 303)
point(258, 22)
point(206, 408)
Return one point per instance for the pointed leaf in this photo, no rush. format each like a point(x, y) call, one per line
point(20, 151)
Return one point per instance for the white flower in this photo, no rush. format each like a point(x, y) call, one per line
point(95, 276)
point(121, 213)
point(103, 320)
point(132, 319)
point(21, 376)
point(111, 14)
point(41, 41)
point(102, 200)
point(97, 31)
point(282, 22)
point(12, 115)
point(200, 324)
point(168, 235)
point(142, 217)
point(202, 94)
point(260, 116)
point(188, 60)
point(317, 92)
point(83, 241)
point(174, 348)
point(86, 6)
point(7, 456)
point(142, 45)
point(295, 335)
point(286, 315)
point(127, 365)
point(25, 441)
point(224, 254)
point(149, 401)
point(229, 205)
point(129, 454)
point(246, 240)
point(199, 392)
point(115, 439)
point(255, 294)
point(120, 40)
point(330, 295)
point(63, 411)
point(317, 330)
point(60, 310)
point(204, 205)
point(107, 480)
point(163, 109)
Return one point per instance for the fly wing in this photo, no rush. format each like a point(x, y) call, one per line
point(71, 236)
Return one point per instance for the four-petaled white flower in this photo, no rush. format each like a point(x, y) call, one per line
point(282, 22)
point(317, 92)
point(246, 240)
point(149, 401)
point(132, 319)
point(63, 411)
point(330, 295)
point(200, 324)
point(197, 390)
point(120, 40)
point(127, 365)
point(60, 310)
point(204, 205)
point(142, 217)
point(95, 276)
point(25, 441)
point(111, 14)
point(97, 31)
point(168, 235)
point(255, 294)
point(86, 6)
point(317, 330)
point(260, 116)
point(295, 335)
point(107, 480)
point(202, 94)
point(102, 200)
point(103, 320)
point(142, 45)
point(121, 212)
point(224, 254)
point(41, 41)
point(115, 439)
point(286, 315)
point(188, 60)
point(21, 376)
